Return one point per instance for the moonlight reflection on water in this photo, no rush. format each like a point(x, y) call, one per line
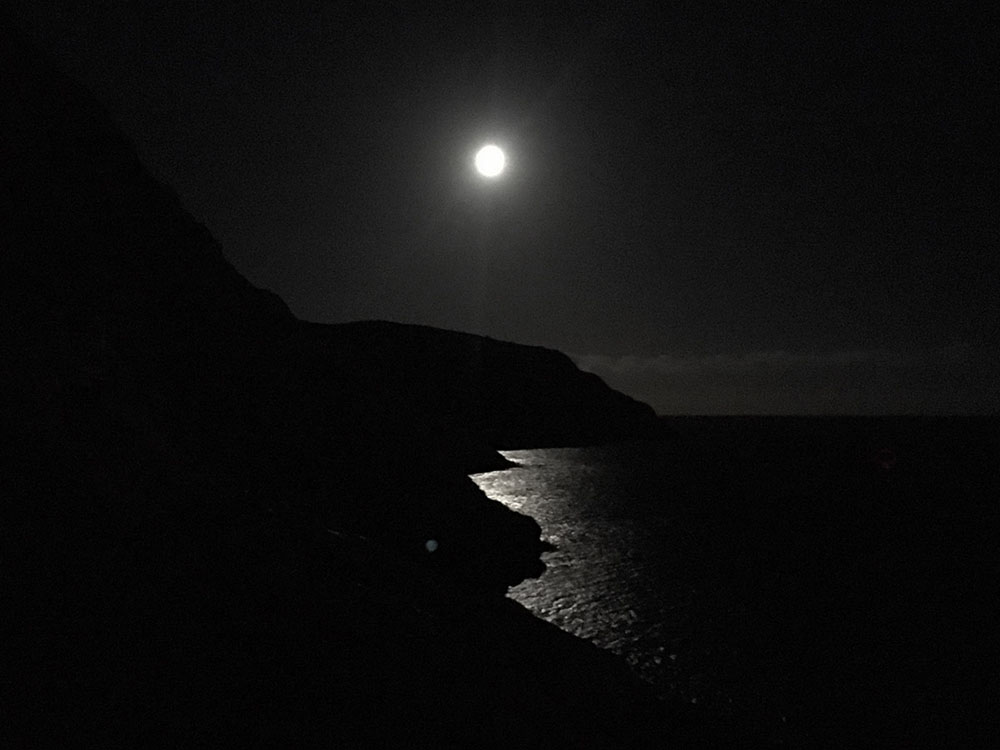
point(607, 580)
point(780, 573)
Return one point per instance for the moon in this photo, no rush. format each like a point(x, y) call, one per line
point(490, 161)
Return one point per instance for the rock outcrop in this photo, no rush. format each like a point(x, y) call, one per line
point(215, 516)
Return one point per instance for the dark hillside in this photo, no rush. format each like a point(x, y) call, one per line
point(214, 516)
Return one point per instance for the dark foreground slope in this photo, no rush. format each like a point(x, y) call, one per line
point(214, 517)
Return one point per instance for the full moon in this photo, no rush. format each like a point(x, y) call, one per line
point(490, 161)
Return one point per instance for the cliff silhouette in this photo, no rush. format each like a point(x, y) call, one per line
point(215, 515)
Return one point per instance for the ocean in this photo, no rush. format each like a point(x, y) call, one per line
point(810, 582)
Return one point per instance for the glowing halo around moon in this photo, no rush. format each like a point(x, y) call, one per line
point(490, 161)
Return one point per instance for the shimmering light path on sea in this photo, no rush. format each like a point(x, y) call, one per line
point(620, 576)
point(780, 573)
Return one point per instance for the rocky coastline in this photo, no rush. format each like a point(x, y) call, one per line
point(217, 519)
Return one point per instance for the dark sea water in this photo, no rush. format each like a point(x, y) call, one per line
point(813, 582)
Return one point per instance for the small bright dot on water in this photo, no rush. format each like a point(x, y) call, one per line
point(431, 545)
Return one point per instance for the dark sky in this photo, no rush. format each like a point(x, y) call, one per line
point(788, 209)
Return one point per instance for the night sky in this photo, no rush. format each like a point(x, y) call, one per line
point(787, 209)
